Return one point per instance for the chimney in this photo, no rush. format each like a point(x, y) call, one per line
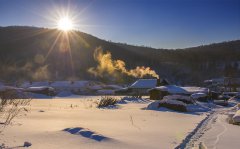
point(158, 82)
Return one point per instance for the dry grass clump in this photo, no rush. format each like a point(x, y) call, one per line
point(106, 101)
point(10, 106)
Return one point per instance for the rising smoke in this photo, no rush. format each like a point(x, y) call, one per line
point(108, 66)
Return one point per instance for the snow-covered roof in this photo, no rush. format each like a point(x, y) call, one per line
point(56, 84)
point(4, 88)
point(144, 83)
point(215, 80)
point(79, 83)
point(173, 89)
point(33, 84)
point(113, 86)
point(198, 95)
point(105, 92)
point(39, 88)
point(61, 84)
point(194, 89)
point(95, 87)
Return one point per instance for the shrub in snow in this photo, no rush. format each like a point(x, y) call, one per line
point(10, 106)
point(106, 101)
point(182, 98)
point(236, 117)
point(173, 105)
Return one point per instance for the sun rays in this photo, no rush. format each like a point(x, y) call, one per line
point(65, 24)
point(62, 34)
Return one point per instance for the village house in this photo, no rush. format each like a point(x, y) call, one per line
point(141, 87)
point(226, 84)
point(159, 92)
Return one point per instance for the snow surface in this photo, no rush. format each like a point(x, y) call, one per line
point(71, 123)
point(219, 134)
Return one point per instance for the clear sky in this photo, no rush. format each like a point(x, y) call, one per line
point(155, 23)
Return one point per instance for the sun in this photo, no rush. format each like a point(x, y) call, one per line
point(65, 24)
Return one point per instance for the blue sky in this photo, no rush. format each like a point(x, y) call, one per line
point(155, 23)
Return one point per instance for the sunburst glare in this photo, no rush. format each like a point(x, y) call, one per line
point(65, 24)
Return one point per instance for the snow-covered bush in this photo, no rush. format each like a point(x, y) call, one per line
point(173, 105)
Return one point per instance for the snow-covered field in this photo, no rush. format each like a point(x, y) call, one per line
point(76, 123)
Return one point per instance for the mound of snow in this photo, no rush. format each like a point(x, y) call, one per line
point(192, 108)
point(171, 101)
point(153, 105)
point(173, 105)
point(236, 117)
point(182, 98)
point(198, 108)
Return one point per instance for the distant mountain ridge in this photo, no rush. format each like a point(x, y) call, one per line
point(30, 53)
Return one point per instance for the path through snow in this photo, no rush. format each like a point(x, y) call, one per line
point(193, 139)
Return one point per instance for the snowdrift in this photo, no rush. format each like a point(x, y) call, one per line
point(236, 117)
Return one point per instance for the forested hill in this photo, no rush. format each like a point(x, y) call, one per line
point(30, 53)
